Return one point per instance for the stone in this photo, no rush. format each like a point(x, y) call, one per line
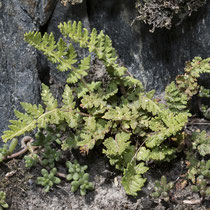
point(19, 78)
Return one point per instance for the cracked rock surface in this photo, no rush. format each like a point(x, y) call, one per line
point(19, 79)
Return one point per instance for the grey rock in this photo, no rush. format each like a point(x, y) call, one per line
point(19, 79)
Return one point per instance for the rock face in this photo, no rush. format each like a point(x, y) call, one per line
point(19, 78)
point(155, 59)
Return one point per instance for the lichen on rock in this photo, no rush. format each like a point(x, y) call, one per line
point(163, 14)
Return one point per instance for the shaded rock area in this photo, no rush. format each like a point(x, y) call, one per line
point(19, 77)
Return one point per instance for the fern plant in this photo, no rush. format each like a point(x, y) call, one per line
point(118, 114)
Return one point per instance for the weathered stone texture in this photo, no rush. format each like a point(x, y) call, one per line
point(18, 61)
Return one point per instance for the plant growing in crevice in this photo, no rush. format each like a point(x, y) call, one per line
point(130, 123)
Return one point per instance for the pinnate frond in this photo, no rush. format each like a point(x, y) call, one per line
point(132, 180)
point(117, 145)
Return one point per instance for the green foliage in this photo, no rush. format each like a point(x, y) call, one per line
point(200, 148)
point(50, 155)
point(201, 186)
point(132, 180)
point(78, 177)
point(118, 114)
point(8, 149)
point(187, 83)
point(176, 100)
point(3, 152)
point(48, 179)
point(3, 204)
point(162, 189)
point(204, 93)
point(31, 160)
point(201, 143)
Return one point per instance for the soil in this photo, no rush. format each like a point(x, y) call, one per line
point(22, 193)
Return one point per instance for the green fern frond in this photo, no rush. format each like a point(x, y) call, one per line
point(80, 72)
point(111, 90)
point(48, 99)
point(68, 109)
point(118, 114)
point(90, 137)
point(93, 41)
point(187, 83)
point(110, 56)
point(174, 125)
point(129, 81)
point(65, 57)
point(117, 145)
point(143, 154)
point(34, 116)
point(68, 98)
point(75, 32)
point(18, 128)
point(34, 110)
point(93, 100)
point(132, 180)
point(149, 105)
point(25, 121)
point(83, 89)
point(175, 99)
point(161, 152)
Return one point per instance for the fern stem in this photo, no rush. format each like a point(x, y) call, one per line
point(84, 114)
point(80, 113)
point(138, 151)
point(83, 81)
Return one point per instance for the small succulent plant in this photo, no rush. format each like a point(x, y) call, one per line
point(78, 177)
point(46, 140)
point(8, 149)
point(48, 179)
point(31, 160)
point(3, 152)
point(197, 168)
point(3, 204)
point(50, 156)
point(162, 189)
point(205, 168)
point(201, 186)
